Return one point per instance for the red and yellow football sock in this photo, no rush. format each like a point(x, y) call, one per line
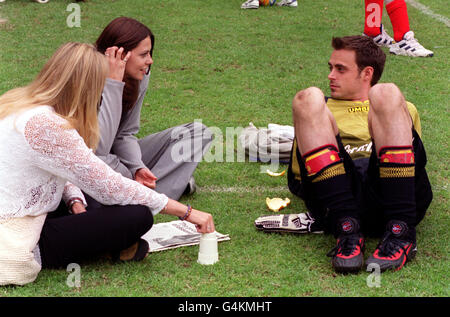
point(330, 183)
point(397, 154)
point(321, 159)
point(372, 19)
point(397, 183)
point(398, 14)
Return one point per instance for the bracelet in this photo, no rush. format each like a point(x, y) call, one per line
point(72, 202)
point(75, 200)
point(187, 214)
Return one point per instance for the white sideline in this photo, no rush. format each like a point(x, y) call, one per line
point(424, 9)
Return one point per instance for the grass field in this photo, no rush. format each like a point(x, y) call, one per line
point(228, 67)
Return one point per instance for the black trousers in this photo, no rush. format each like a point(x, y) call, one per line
point(67, 238)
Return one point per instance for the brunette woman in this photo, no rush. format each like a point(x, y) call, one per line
point(155, 160)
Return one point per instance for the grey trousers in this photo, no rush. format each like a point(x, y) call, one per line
point(173, 155)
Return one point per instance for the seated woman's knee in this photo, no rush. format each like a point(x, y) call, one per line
point(197, 129)
point(142, 216)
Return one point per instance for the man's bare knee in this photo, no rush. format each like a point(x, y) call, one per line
point(388, 111)
point(308, 93)
point(385, 96)
point(307, 101)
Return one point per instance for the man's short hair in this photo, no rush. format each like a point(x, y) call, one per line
point(367, 53)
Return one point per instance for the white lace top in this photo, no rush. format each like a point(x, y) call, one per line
point(42, 162)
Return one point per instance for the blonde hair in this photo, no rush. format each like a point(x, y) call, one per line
point(71, 82)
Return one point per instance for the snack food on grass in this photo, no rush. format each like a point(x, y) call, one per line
point(274, 173)
point(276, 204)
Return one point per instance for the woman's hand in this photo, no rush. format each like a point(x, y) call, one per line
point(202, 220)
point(145, 177)
point(116, 62)
point(78, 208)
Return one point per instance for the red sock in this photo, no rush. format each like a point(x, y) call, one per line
point(373, 14)
point(398, 14)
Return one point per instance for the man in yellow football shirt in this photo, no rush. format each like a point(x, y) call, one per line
point(358, 161)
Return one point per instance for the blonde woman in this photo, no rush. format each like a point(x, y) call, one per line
point(48, 131)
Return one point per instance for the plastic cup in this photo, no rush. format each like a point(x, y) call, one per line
point(208, 253)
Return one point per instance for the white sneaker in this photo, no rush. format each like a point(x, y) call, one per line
point(410, 47)
point(287, 3)
point(383, 39)
point(250, 4)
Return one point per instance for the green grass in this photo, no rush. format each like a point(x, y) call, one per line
point(229, 67)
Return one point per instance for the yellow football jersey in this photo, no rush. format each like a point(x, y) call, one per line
point(351, 118)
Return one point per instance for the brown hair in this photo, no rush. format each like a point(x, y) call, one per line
point(367, 53)
point(127, 33)
point(71, 82)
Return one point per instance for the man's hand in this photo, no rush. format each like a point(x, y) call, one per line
point(145, 177)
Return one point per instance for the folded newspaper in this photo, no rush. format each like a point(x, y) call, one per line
point(175, 234)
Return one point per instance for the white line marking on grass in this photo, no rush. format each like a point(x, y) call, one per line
point(427, 11)
point(242, 189)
